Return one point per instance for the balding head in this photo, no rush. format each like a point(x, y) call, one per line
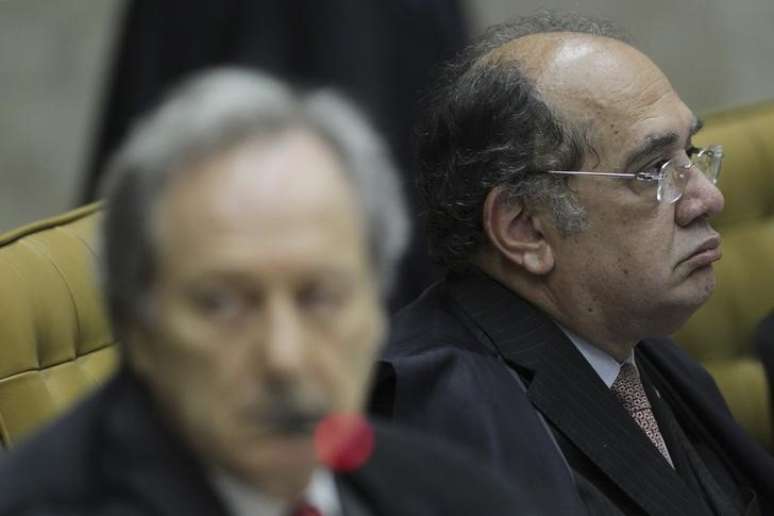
point(544, 57)
point(593, 84)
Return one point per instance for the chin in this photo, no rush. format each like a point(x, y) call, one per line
point(702, 283)
point(284, 460)
point(686, 300)
point(281, 449)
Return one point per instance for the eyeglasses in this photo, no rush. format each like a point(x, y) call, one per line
point(671, 176)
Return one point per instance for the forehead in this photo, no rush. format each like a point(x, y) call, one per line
point(264, 196)
point(604, 86)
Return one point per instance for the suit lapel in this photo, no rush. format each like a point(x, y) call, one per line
point(568, 392)
point(690, 464)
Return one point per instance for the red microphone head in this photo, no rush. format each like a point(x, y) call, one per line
point(344, 442)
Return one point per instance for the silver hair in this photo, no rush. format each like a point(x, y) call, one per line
point(207, 115)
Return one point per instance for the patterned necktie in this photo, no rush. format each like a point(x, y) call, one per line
point(629, 390)
point(305, 509)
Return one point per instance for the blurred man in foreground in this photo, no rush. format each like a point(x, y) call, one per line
point(566, 197)
point(249, 240)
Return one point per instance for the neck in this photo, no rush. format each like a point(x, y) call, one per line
point(618, 354)
point(591, 325)
point(246, 498)
point(280, 485)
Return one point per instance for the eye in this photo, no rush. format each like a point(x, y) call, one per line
point(692, 151)
point(652, 172)
point(218, 302)
point(321, 297)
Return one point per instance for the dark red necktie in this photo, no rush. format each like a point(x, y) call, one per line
point(305, 509)
point(630, 391)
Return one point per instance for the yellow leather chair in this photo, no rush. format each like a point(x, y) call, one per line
point(721, 333)
point(55, 343)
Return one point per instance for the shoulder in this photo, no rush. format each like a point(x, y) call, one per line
point(430, 476)
point(426, 324)
point(436, 371)
point(434, 366)
point(427, 335)
point(55, 467)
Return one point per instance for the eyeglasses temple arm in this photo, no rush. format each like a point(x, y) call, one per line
point(583, 173)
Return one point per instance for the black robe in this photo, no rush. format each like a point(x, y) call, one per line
point(473, 362)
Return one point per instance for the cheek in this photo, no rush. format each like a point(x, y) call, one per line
point(179, 382)
point(636, 240)
point(190, 361)
point(344, 355)
point(650, 244)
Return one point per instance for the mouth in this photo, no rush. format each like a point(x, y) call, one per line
point(705, 254)
point(293, 422)
point(285, 420)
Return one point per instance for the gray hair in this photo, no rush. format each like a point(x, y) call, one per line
point(207, 115)
point(486, 125)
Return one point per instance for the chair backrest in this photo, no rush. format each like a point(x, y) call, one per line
point(55, 341)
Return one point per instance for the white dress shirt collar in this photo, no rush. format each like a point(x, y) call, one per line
point(244, 500)
point(604, 364)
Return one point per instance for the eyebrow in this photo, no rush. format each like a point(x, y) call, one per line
point(658, 142)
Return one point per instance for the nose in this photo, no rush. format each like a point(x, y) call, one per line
point(283, 347)
point(702, 199)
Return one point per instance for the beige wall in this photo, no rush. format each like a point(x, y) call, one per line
point(718, 53)
point(53, 56)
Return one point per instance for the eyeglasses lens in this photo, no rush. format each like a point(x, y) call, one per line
point(673, 180)
point(708, 162)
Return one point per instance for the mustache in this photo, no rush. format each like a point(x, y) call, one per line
point(287, 412)
point(288, 420)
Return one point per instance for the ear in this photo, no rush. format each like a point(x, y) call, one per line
point(516, 233)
